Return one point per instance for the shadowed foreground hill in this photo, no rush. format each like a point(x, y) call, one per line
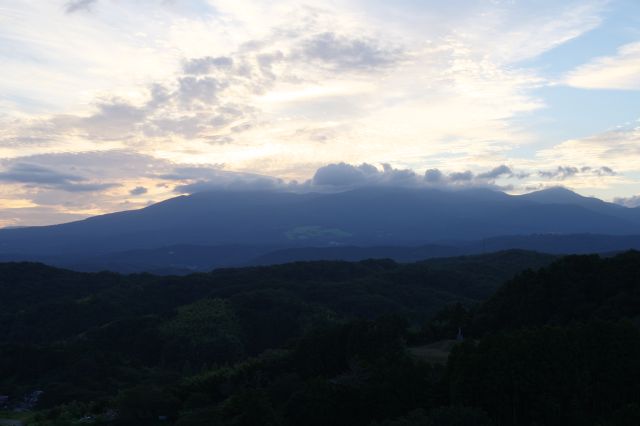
point(323, 343)
point(575, 288)
point(44, 304)
point(558, 346)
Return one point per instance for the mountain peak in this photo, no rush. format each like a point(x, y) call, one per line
point(556, 194)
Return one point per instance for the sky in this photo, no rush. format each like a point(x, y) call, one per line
point(110, 105)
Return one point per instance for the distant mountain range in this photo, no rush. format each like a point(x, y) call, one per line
point(223, 228)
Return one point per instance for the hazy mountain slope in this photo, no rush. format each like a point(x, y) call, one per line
point(560, 244)
point(363, 217)
point(543, 243)
point(564, 196)
point(185, 259)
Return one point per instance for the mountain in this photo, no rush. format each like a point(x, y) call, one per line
point(246, 225)
point(563, 196)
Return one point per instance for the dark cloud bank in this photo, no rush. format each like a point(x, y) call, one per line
point(34, 175)
point(79, 5)
point(336, 177)
point(97, 172)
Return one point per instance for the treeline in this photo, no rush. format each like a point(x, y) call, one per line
point(324, 343)
point(42, 305)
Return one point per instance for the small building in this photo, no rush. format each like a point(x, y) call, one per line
point(4, 401)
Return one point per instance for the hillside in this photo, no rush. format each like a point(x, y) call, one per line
point(320, 343)
point(575, 288)
point(45, 304)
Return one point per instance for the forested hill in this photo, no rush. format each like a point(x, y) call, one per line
point(319, 343)
point(558, 346)
point(42, 303)
point(574, 288)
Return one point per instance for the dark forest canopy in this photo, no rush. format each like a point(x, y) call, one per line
point(320, 343)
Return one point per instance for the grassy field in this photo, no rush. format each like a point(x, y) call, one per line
point(436, 353)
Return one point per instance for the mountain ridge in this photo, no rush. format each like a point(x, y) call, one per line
point(264, 221)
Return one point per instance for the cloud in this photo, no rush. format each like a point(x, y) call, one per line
point(189, 106)
point(38, 176)
point(401, 177)
point(633, 201)
point(86, 187)
point(621, 71)
point(230, 181)
point(109, 164)
point(434, 176)
point(79, 5)
point(497, 172)
point(35, 174)
point(113, 120)
point(344, 175)
point(601, 171)
point(345, 53)
point(192, 179)
point(76, 185)
point(619, 149)
point(314, 74)
point(461, 176)
point(192, 173)
point(202, 89)
point(91, 182)
point(606, 171)
point(207, 64)
point(332, 177)
point(138, 190)
point(561, 172)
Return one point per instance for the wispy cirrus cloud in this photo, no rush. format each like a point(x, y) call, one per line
point(619, 149)
point(620, 71)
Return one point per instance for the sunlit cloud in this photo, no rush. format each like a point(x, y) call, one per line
point(102, 101)
point(621, 71)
